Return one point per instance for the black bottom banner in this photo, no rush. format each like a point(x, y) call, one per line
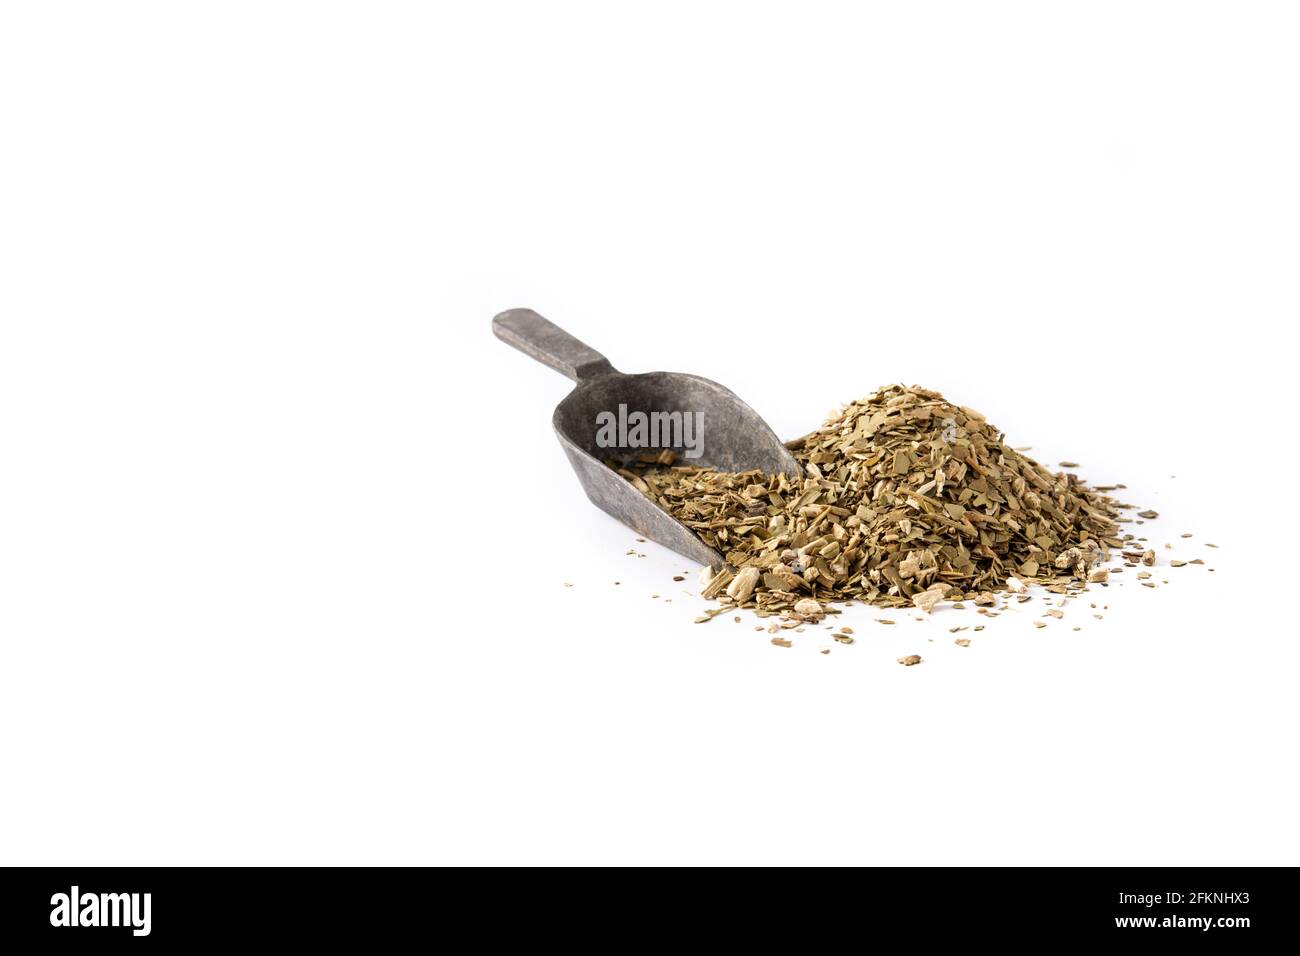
point(1223, 908)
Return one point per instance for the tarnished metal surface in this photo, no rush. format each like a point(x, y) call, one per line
point(735, 438)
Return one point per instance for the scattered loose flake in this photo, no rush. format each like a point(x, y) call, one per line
point(962, 642)
point(1177, 564)
point(1040, 624)
point(1148, 557)
point(782, 642)
point(678, 577)
point(1098, 576)
point(1054, 612)
point(1208, 545)
point(910, 660)
point(1187, 535)
point(1068, 464)
point(1148, 514)
point(1196, 561)
point(881, 620)
point(1015, 585)
point(843, 638)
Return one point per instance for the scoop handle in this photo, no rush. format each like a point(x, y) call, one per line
point(549, 344)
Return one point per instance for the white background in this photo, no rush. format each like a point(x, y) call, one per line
point(285, 530)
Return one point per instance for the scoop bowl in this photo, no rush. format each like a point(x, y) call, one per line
point(614, 416)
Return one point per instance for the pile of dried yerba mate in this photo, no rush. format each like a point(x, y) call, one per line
point(906, 501)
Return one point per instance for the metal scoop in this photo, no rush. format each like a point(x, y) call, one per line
point(729, 437)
